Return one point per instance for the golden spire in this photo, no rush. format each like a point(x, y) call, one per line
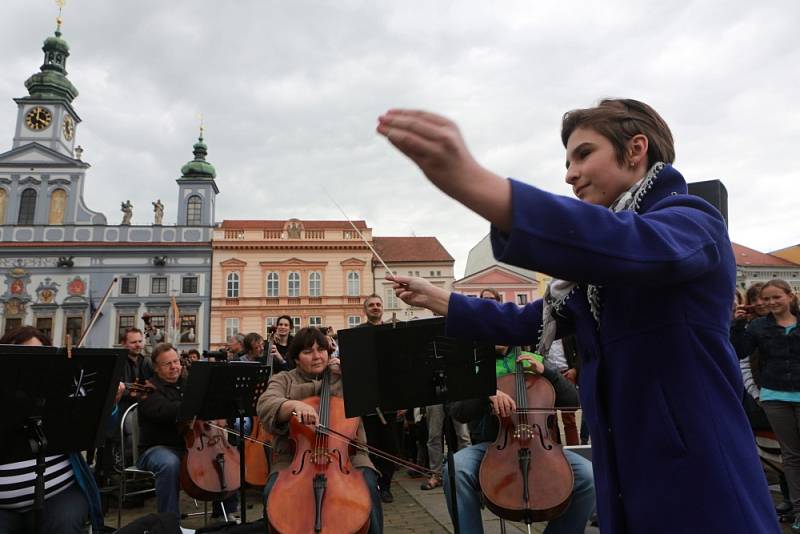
point(202, 129)
point(60, 4)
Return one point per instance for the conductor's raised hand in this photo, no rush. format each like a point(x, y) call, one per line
point(417, 291)
point(431, 141)
point(435, 144)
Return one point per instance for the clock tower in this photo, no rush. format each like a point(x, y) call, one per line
point(46, 115)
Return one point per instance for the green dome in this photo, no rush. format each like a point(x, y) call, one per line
point(56, 43)
point(50, 84)
point(51, 81)
point(199, 167)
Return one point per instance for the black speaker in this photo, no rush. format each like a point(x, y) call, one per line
point(713, 192)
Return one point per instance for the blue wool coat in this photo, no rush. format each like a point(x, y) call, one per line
point(660, 384)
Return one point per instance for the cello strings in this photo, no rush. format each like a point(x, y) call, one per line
point(365, 447)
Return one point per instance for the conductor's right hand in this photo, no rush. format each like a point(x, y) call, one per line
point(417, 291)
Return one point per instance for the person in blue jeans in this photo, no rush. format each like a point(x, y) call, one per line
point(468, 460)
point(160, 445)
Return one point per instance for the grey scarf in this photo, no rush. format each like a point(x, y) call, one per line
point(559, 291)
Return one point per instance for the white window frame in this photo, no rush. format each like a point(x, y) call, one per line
point(196, 284)
point(353, 284)
point(353, 321)
point(390, 299)
point(315, 284)
point(293, 280)
point(232, 285)
point(315, 320)
point(296, 324)
point(166, 285)
point(135, 285)
point(273, 284)
point(231, 327)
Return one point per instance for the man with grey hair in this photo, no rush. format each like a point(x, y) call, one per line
point(161, 446)
point(236, 346)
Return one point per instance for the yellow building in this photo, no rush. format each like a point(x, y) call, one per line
point(789, 253)
point(317, 272)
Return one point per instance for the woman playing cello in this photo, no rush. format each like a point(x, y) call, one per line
point(283, 400)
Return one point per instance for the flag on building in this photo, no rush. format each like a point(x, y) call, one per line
point(174, 322)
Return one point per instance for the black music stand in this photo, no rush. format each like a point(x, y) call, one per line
point(225, 390)
point(406, 365)
point(51, 404)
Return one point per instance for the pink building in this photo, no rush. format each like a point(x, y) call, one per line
point(512, 286)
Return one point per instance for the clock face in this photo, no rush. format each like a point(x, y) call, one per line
point(68, 128)
point(38, 118)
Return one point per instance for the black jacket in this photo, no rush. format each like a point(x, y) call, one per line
point(779, 354)
point(469, 410)
point(132, 371)
point(158, 415)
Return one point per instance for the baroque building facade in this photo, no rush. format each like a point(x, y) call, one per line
point(316, 272)
point(58, 257)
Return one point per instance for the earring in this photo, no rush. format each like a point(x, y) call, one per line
point(632, 163)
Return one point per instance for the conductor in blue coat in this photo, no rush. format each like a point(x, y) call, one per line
point(644, 275)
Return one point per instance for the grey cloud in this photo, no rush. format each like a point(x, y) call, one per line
point(290, 93)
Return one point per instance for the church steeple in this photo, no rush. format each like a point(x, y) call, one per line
point(51, 81)
point(199, 168)
point(197, 189)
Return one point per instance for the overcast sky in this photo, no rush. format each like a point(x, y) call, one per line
point(291, 90)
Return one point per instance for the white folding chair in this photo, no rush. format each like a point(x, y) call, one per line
point(131, 473)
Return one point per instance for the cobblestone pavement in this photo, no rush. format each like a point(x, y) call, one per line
point(413, 512)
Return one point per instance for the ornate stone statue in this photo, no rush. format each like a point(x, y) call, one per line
point(158, 211)
point(127, 212)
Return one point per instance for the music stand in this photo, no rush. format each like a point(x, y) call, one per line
point(224, 390)
point(406, 365)
point(51, 404)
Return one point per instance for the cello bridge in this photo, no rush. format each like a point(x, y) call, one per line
point(523, 431)
point(321, 456)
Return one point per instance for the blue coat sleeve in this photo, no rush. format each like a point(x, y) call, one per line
point(488, 321)
point(676, 240)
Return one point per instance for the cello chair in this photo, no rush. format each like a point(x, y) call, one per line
point(131, 474)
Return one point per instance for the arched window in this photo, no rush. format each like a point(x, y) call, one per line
point(273, 284)
point(315, 284)
point(194, 211)
point(58, 205)
point(294, 284)
point(232, 286)
point(27, 206)
point(353, 284)
point(3, 199)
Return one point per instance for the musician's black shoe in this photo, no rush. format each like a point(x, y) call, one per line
point(414, 473)
point(386, 495)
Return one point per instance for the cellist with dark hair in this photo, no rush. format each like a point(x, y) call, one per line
point(300, 401)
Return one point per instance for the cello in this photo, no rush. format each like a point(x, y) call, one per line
point(255, 453)
point(320, 491)
point(524, 474)
point(210, 466)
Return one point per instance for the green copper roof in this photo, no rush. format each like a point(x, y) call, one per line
point(199, 167)
point(52, 81)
